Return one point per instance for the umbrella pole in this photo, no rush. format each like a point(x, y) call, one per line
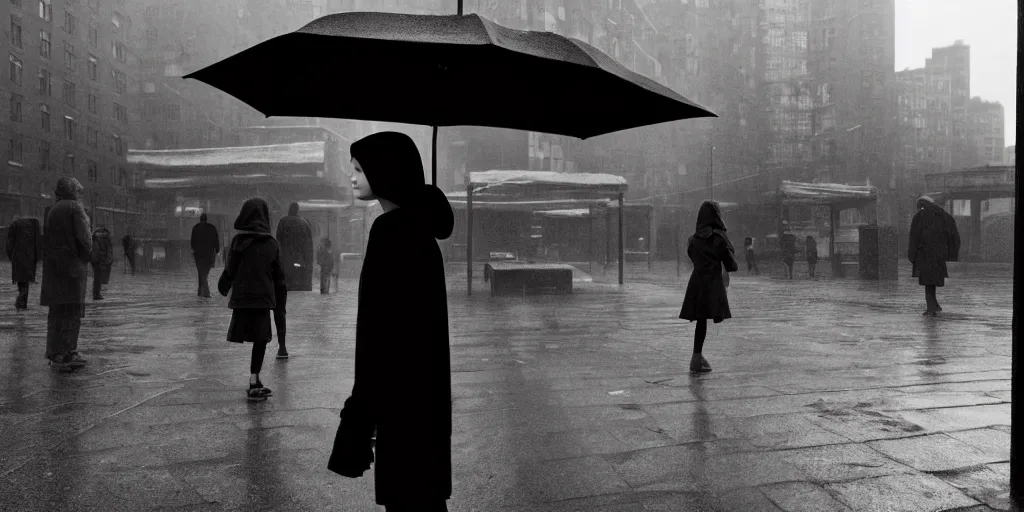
point(460, 8)
point(622, 246)
point(469, 239)
point(433, 156)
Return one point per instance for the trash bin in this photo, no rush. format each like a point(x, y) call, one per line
point(878, 249)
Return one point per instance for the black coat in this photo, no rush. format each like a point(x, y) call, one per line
point(709, 250)
point(296, 239)
point(24, 241)
point(205, 243)
point(253, 270)
point(67, 249)
point(402, 369)
point(934, 240)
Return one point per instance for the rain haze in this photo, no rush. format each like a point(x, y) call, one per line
point(531, 255)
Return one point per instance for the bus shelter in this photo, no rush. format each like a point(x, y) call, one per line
point(835, 196)
point(532, 191)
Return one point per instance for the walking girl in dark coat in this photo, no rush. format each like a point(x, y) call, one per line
point(934, 240)
point(402, 369)
point(710, 250)
point(253, 275)
point(788, 246)
point(23, 249)
point(325, 258)
point(812, 254)
point(748, 250)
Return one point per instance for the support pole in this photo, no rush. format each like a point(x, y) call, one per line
point(607, 238)
point(460, 7)
point(433, 156)
point(590, 240)
point(622, 245)
point(469, 238)
point(1016, 408)
point(832, 217)
point(650, 246)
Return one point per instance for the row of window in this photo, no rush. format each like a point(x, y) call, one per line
point(15, 156)
point(117, 145)
point(69, 89)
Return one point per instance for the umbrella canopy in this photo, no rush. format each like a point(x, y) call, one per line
point(444, 71)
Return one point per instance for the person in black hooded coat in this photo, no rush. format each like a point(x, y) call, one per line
point(710, 250)
point(934, 240)
point(253, 276)
point(24, 249)
point(402, 368)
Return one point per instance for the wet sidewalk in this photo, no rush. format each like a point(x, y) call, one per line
point(825, 395)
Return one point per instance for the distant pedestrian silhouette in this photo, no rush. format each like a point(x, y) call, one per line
point(811, 253)
point(934, 240)
point(205, 244)
point(713, 257)
point(325, 258)
point(24, 239)
point(252, 276)
point(748, 250)
point(787, 243)
point(402, 370)
point(102, 259)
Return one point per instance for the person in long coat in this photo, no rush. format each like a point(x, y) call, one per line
point(67, 248)
point(811, 251)
point(788, 246)
point(102, 259)
point(402, 368)
point(24, 251)
point(296, 238)
point(128, 245)
point(934, 240)
point(205, 244)
point(711, 252)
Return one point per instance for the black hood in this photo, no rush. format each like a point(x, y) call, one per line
point(254, 217)
point(394, 170)
point(709, 219)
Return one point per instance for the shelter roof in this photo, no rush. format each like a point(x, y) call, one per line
point(322, 205)
point(520, 185)
point(208, 159)
point(825, 194)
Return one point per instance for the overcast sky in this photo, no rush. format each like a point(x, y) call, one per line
point(988, 26)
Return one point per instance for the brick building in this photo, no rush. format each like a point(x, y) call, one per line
point(987, 122)
point(66, 107)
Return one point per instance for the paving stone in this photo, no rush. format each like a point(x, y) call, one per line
point(988, 484)
point(572, 478)
point(992, 442)
point(802, 497)
point(931, 453)
point(959, 418)
point(842, 463)
point(900, 493)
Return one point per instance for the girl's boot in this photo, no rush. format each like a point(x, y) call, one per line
point(699, 365)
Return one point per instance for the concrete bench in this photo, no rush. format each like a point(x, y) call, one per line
point(511, 278)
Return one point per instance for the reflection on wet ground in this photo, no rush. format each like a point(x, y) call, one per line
point(826, 395)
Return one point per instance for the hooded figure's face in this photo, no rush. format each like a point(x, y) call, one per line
point(68, 188)
point(390, 164)
point(360, 185)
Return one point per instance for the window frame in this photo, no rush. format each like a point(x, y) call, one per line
point(45, 44)
point(16, 69)
point(45, 118)
point(17, 32)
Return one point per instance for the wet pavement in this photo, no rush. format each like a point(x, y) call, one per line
point(825, 395)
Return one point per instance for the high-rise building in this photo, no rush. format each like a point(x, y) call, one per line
point(1010, 155)
point(66, 105)
point(986, 121)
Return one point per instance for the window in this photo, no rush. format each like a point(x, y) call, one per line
point(93, 67)
point(16, 69)
point(69, 164)
point(120, 113)
point(173, 112)
point(92, 170)
point(70, 24)
point(120, 81)
point(70, 59)
point(118, 50)
point(44, 117)
point(151, 37)
point(16, 100)
point(70, 128)
point(117, 145)
point(16, 31)
point(46, 10)
point(14, 150)
point(94, 36)
point(16, 3)
point(91, 137)
point(94, 104)
point(44, 43)
point(44, 155)
point(68, 94)
point(122, 177)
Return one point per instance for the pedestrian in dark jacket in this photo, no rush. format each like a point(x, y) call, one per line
point(67, 248)
point(934, 240)
point(24, 251)
point(748, 250)
point(252, 276)
point(812, 254)
point(788, 246)
point(402, 369)
point(711, 252)
point(102, 259)
point(325, 258)
point(205, 247)
point(296, 238)
point(128, 245)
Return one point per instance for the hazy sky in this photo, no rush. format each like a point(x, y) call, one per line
point(988, 26)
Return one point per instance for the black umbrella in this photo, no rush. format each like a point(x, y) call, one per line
point(444, 71)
